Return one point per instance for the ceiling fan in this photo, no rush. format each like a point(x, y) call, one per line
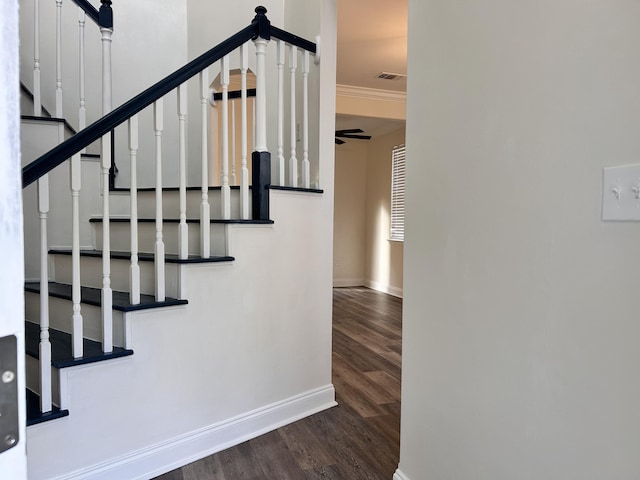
point(350, 133)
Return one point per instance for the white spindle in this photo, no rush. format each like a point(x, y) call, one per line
point(253, 120)
point(244, 177)
point(205, 216)
point(305, 120)
point(107, 293)
point(260, 144)
point(59, 58)
point(76, 181)
point(280, 61)
point(37, 99)
point(233, 143)
point(45, 344)
point(225, 190)
point(183, 232)
point(105, 154)
point(106, 69)
point(82, 113)
point(134, 269)
point(293, 161)
point(158, 126)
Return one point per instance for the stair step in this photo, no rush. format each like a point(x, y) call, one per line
point(34, 416)
point(91, 296)
point(61, 348)
point(147, 257)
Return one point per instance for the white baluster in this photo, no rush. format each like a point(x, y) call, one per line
point(253, 120)
point(59, 58)
point(76, 181)
point(106, 69)
point(105, 154)
point(260, 143)
point(107, 293)
point(158, 126)
point(305, 120)
point(281, 162)
point(244, 177)
point(205, 216)
point(82, 113)
point(233, 142)
point(183, 232)
point(45, 344)
point(37, 98)
point(293, 161)
point(134, 269)
point(225, 190)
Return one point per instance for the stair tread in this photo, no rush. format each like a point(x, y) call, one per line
point(35, 416)
point(189, 220)
point(91, 296)
point(62, 350)
point(145, 257)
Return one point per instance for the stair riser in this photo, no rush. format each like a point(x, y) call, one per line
point(32, 366)
point(60, 317)
point(91, 274)
point(121, 237)
point(120, 204)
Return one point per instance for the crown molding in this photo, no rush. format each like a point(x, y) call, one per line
point(371, 93)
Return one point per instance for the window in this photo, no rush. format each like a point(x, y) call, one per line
point(397, 193)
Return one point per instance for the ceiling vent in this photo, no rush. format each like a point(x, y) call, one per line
point(390, 76)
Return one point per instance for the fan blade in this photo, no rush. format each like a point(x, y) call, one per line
point(339, 142)
point(359, 137)
point(339, 133)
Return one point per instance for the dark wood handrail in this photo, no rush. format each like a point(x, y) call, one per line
point(103, 17)
point(259, 27)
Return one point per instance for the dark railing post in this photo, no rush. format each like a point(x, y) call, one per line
point(261, 158)
point(260, 182)
point(263, 24)
point(105, 14)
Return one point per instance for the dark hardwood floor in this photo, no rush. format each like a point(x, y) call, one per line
point(358, 439)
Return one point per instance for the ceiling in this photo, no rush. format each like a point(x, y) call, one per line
point(372, 38)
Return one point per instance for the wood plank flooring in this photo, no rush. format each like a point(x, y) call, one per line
point(358, 439)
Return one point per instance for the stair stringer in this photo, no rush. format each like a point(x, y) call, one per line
point(249, 353)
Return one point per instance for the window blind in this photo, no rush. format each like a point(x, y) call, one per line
point(397, 193)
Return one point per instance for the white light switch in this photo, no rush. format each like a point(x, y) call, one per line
point(621, 193)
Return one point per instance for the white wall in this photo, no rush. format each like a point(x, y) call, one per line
point(349, 219)
point(13, 461)
point(383, 259)
point(520, 331)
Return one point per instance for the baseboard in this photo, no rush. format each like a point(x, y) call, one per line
point(348, 282)
point(400, 476)
point(380, 287)
point(169, 455)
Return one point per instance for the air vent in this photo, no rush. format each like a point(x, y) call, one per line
point(390, 76)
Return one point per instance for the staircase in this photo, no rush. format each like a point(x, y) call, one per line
point(165, 323)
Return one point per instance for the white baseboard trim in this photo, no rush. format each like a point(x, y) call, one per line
point(348, 282)
point(400, 476)
point(380, 287)
point(166, 456)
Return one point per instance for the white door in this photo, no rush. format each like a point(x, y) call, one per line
point(13, 460)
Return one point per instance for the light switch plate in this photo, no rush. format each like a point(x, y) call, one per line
point(621, 193)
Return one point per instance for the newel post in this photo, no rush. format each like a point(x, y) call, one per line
point(261, 158)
